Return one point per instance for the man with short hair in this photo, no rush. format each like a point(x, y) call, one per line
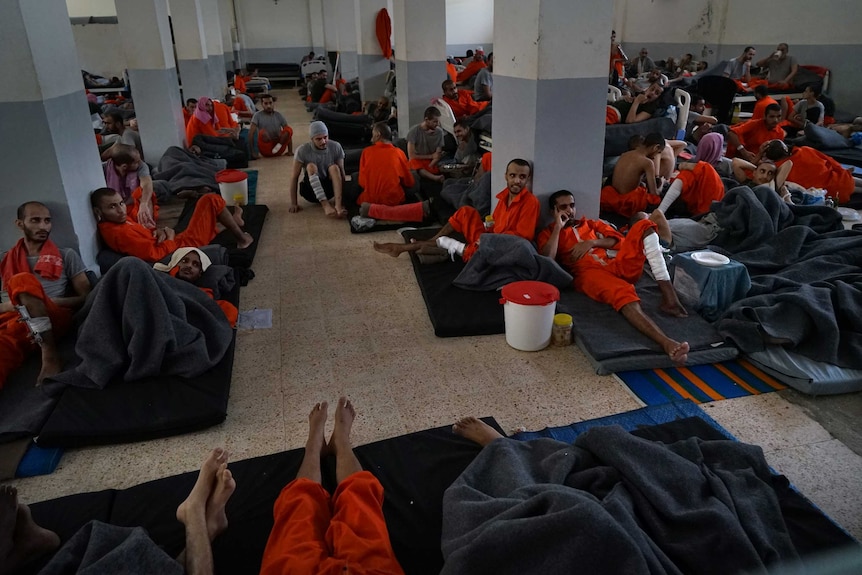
point(460, 101)
point(581, 246)
point(517, 213)
point(131, 238)
point(483, 86)
point(472, 68)
point(241, 105)
point(808, 108)
point(639, 109)
point(739, 69)
point(321, 91)
point(642, 64)
point(633, 185)
point(189, 110)
point(383, 176)
point(781, 68)
point(36, 276)
point(269, 128)
point(762, 100)
point(744, 140)
point(322, 162)
point(425, 145)
point(127, 174)
point(115, 124)
point(813, 169)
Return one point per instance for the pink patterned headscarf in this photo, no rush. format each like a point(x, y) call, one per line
point(202, 114)
point(709, 148)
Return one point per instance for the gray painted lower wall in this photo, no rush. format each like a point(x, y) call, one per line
point(194, 77)
point(159, 110)
point(229, 61)
point(533, 120)
point(459, 50)
point(349, 65)
point(292, 55)
point(217, 76)
point(418, 82)
point(53, 158)
point(372, 75)
point(842, 60)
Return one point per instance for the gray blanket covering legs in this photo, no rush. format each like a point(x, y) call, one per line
point(614, 503)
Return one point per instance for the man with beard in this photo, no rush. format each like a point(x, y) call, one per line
point(322, 162)
point(36, 274)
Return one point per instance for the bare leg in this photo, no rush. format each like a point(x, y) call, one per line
point(670, 303)
point(243, 239)
point(337, 189)
point(475, 430)
point(21, 540)
point(663, 227)
point(635, 315)
point(396, 250)
point(311, 170)
point(51, 364)
point(192, 513)
point(236, 212)
point(315, 445)
point(346, 463)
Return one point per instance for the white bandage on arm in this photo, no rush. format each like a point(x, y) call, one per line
point(670, 196)
point(655, 258)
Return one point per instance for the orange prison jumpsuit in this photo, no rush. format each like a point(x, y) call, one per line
point(131, 238)
point(605, 280)
point(195, 127)
point(186, 116)
point(465, 105)
point(451, 71)
point(265, 148)
point(813, 169)
point(240, 106)
point(315, 534)
point(760, 107)
point(701, 186)
point(383, 175)
point(239, 83)
point(15, 344)
point(752, 134)
point(486, 162)
point(518, 219)
point(627, 204)
point(471, 70)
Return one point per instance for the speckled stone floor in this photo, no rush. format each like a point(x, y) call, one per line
point(347, 320)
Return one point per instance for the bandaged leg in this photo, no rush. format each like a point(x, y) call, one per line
point(451, 245)
point(655, 258)
point(671, 196)
point(36, 325)
point(317, 187)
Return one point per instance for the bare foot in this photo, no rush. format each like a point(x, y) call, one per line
point(663, 227)
point(329, 210)
point(8, 515)
point(678, 352)
point(215, 514)
point(670, 303)
point(475, 430)
point(246, 241)
point(389, 248)
point(51, 365)
point(29, 541)
point(236, 212)
point(316, 424)
point(196, 502)
point(364, 209)
point(345, 413)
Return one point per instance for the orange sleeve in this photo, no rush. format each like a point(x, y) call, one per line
point(224, 116)
point(193, 128)
point(486, 162)
point(363, 167)
point(134, 239)
point(526, 219)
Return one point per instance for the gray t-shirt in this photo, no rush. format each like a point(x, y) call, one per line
point(425, 142)
point(467, 153)
point(735, 69)
point(72, 266)
point(270, 123)
point(132, 138)
point(483, 78)
point(308, 154)
point(802, 107)
point(780, 69)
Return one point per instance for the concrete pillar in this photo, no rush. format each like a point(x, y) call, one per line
point(227, 21)
point(215, 51)
point(190, 41)
point(149, 54)
point(371, 63)
point(48, 152)
point(420, 56)
point(550, 94)
point(339, 25)
point(329, 11)
point(315, 23)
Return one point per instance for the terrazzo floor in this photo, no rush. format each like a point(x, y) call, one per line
point(347, 320)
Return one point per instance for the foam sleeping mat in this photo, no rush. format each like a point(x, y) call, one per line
point(254, 216)
point(612, 344)
point(454, 312)
point(804, 374)
point(414, 469)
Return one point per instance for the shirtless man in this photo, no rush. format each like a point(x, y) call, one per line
point(202, 513)
point(633, 186)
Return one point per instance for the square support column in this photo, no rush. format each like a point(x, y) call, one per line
point(192, 62)
point(372, 65)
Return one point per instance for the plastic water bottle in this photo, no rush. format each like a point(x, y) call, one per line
point(489, 223)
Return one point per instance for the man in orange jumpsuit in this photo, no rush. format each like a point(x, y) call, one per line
point(517, 213)
point(189, 110)
point(131, 238)
point(37, 274)
point(697, 186)
point(581, 247)
point(763, 100)
point(473, 67)
point(461, 102)
point(744, 140)
point(813, 169)
point(314, 532)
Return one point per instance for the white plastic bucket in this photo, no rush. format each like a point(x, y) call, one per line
point(528, 309)
point(233, 186)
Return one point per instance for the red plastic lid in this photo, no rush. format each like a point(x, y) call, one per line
point(530, 293)
point(230, 176)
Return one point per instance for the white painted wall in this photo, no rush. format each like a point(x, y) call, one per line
point(470, 22)
point(83, 8)
point(270, 25)
point(100, 50)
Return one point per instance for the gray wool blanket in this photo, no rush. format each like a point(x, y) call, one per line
point(98, 548)
point(614, 503)
point(806, 275)
point(182, 170)
point(502, 259)
point(140, 323)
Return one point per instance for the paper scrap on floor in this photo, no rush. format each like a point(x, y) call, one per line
point(255, 319)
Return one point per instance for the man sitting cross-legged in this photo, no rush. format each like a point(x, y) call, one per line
point(425, 146)
point(517, 213)
point(316, 533)
point(36, 275)
point(581, 247)
point(131, 238)
point(109, 546)
point(270, 131)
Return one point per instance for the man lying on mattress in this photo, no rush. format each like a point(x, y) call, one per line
point(36, 307)
point(184, 329)
point(581, 246)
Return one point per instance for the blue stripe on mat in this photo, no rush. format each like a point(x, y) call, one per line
point(39, 461)
point(720, 382)
point(630, 420)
